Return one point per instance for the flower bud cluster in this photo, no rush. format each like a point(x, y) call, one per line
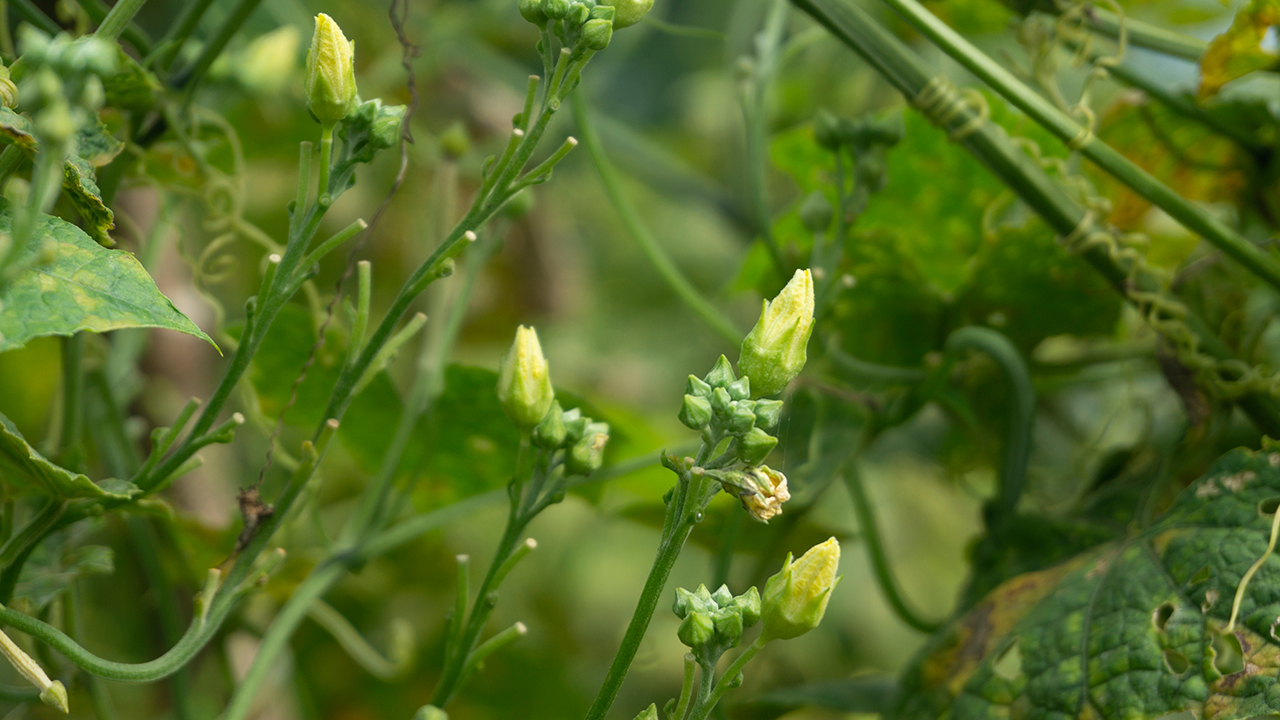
point(582, 439)
point(721, 403)
point(867, 138)
point(713, 622)
point(62, 85)
point(587, 21)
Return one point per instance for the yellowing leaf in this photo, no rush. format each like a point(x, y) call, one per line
point(1238, 51)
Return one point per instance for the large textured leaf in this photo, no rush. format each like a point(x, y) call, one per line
point(24, 470)
point(85, 287)
point(1239, 51)
point(1134, 629)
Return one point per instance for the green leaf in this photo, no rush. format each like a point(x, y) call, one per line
point(1134, 629)
point(24, 470)
point(1238, 51)
point(84, 287)
point(132, 87)
point(50, 572)
point(16, 129)
point(82, 188)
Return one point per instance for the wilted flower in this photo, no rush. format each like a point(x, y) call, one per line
point(796, 598)
point(775, 350)
point(524, 383)
point(331, 80)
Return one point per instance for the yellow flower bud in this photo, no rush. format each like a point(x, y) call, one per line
point(524, 383)
point(795, 599)
point(776, 349)
point(8, 91)
point(331, 79)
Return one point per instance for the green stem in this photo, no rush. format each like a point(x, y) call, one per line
point(869, 533)
point(145, 543)
point(27, 10)
point(869, 372)
point(365, 655)
point(676, 280)
point(686, 688)
point(668, 552)
point(709, 701)
point(10, 159)
point(1017, 447)
point(277, 637)
point(1147, 36)
point(171, 44)
point(1192, 216)
point(326, 163)
point(910, 75)
point(754, 113)
point(70, 450)
point(118, 19)
point(191, 78)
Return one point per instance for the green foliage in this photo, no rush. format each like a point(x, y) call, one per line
point(26, 471)
point(83, 287)
point(1137, 628)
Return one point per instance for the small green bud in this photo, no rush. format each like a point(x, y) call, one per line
point(602, 12)
point(755, 446)
point(795, 599)
point(697, 388)
point(720, 401)
point(696, 630)
point(741, 419)
point(748, 603)
point(518, 206)
point(597, 33)
point(826, 130)
point(330, 80)
point(649, 713)
point(8, 90)
point(728, 626)
point(431, 712)
point(555, 9)
point(697, 601)
point(531, 10)
point(575, 424)
point(740, 389)
point(722, 596)
point(695, 413)
point(628, 12)
point(55, 695)
point(776, 349)
point(550, 433)
point(721, 374)
point(578, 14)
point(768, 412)
point(815, 212)
point(454, 142)
point(524, 384)
point(587, 455)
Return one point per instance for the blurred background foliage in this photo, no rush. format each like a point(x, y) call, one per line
point(940, 245)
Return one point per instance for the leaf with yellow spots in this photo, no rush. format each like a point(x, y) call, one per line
point(1133, 629)
point(83, 286)
point(1238, 51)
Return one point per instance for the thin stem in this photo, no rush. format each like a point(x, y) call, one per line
point(1022, 398)
point(27, 10)
point(70, 450)
point(676, 280)
point(686, 688)
point(326, 163)
point(727, 681)
point(355, 644)
point(492, 645)
point(191, 78)
point(869, 532)
point(10, 160)
point(1192, 216)
point(171, 44)
point(668, 552)
point(277, 637)
point(1146, 35)
point(118, 19)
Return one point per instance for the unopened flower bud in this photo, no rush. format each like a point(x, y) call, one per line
point(649, 713)
point(8, 91)
point(768, 412)
point(331, 79)
point(697, 629)
point(697, 388)
point(695, 413)
point(748, 603)
point(741, 419)
point(454, 142)
point(795, 599)
point(755, 446)
point(431, 712)
point(720, 400)
point(597, 33)
point(776, 349)
point(602, 12)
point(740, 389)
point(587, 455)
point(628, 12)
point(578, 14)
point(550, 432)
point(826, 130)
point(721, 374)
point(722, 596)
point(555, 9)
point(815, 212)
point(697, 601)
point(728, 626)
point(524, 383)
point(575, 425)
point(531, 10)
